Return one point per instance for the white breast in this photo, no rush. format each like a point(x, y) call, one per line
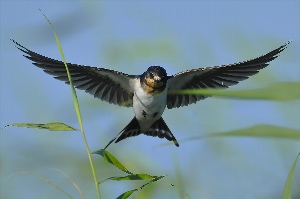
point(147, 108)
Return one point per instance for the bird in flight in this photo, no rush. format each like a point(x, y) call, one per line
point(148, 93)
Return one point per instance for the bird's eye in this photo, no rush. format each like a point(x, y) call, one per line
point(151, 75)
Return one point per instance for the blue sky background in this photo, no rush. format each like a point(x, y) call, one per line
point(129, 37)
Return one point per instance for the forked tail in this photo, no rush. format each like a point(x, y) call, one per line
point(158, 129)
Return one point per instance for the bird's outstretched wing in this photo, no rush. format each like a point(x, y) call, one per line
point(215, 77)
point(108, 85)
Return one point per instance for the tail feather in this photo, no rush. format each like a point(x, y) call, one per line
point(158, 129)
point(132, 129)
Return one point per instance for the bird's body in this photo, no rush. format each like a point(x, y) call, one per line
point(148, 93)
point(148, 107)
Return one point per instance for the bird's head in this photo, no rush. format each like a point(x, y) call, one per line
point(154, 79)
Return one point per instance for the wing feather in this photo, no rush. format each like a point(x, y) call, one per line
point(108, 85)
point(215, 77)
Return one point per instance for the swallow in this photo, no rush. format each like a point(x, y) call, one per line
point(148, 93)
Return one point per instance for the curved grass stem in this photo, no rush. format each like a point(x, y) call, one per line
point(77, 109)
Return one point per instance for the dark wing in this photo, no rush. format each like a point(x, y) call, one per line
point(108, 85)
point(215, 77)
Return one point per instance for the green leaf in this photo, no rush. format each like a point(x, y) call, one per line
point(141, 176)
point(52, 126)
point(287, 191)
point(259, 131)
point(126, 194)
point(108, 157)
point(278, 91)
point(153, 180)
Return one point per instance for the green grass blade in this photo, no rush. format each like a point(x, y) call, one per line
point(52, 126)
point(288, 187)
point(74, 96)
point(280, 92)
point(108, 157)
point(153, 180)
point(126, 194)
point(263, 131)
point(77, 109)
point(140, 176)
point(266, 131)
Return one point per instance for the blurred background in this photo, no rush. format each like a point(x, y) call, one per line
point(129, 37)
